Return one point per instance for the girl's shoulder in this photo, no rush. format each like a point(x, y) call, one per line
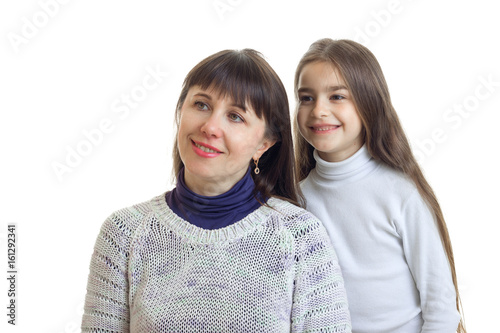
point(396, 182)
point(403, 196)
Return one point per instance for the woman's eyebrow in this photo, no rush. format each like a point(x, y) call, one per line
point(239, 106)
point(203, 95)
point(209, 97)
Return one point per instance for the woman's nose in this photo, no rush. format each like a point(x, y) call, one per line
point(212, 127)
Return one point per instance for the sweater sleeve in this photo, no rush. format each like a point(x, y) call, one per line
point(319, 299)
point(429, 266)
point(106, 303)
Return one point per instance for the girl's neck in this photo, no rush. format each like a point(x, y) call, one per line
point(340, 155)
point(353, 167)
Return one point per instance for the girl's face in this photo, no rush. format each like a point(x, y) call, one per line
point(216, 140)
point(326, 116)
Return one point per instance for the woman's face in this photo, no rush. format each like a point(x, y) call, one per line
point(216, 140)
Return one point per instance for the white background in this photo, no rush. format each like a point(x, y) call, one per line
point(69, 71)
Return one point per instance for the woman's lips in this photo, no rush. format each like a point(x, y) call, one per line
point(205, 150)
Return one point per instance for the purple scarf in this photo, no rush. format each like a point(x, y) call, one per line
point(213, 212)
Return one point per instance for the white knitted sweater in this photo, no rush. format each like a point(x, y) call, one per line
point(273, 271)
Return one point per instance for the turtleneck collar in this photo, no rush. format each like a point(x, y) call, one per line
point(213, 212)
point(349, 169)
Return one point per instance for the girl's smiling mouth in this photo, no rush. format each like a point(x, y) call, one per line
point(324, 128)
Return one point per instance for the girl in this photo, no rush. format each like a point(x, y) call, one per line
point(227, 250)
point(360, 178)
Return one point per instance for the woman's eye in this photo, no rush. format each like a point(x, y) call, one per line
point(235, 117)
point(201, 105)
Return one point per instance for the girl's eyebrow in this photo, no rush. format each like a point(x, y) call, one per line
point(330, 88)
point(335, 88)
point(305, 89)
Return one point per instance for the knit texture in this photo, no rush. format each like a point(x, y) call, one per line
point(273, 271)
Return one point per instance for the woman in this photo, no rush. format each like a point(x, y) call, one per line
point(227, 250)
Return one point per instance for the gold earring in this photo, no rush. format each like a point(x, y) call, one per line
point(256, 170)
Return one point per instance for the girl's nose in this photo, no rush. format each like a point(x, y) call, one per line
point(320, 109)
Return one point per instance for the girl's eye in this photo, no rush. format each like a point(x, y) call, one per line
point(201, 105)
point(235, 117)
point(337, 97)
point(305, 98)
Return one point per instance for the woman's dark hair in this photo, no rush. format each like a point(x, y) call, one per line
point(245, 77)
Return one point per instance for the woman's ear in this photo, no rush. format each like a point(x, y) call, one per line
point(266, 144)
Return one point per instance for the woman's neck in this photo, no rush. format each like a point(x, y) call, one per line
point(208, 187)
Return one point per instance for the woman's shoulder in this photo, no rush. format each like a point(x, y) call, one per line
point(295, 218)
point(126, 220)
point(306, 231)
point(287, 208)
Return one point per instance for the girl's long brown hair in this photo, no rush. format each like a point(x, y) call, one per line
point(382, 130)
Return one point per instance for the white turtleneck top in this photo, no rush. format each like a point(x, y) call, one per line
point(396, 272)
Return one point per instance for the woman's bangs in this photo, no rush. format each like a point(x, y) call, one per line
point(239, 79)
